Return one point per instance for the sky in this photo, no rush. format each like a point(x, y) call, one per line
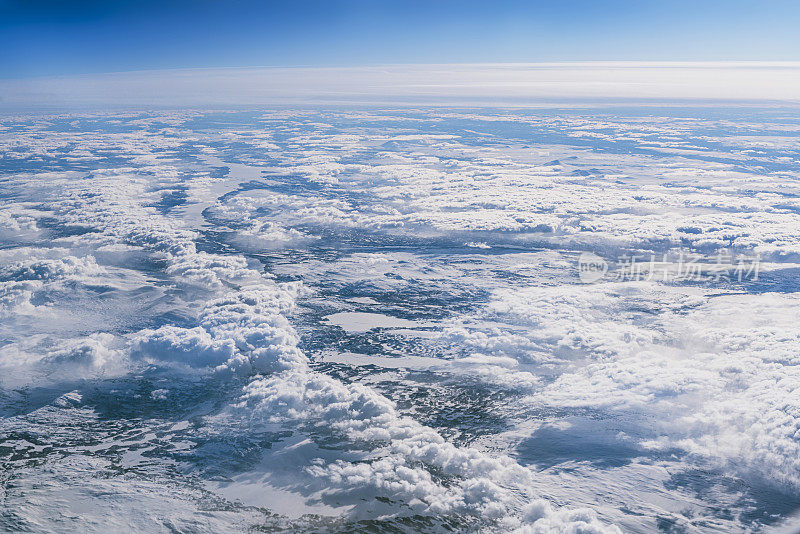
point(46, 38)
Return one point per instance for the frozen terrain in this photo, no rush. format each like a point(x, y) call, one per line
point(372, 319)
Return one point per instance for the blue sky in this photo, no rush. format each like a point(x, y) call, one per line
point(59, 37)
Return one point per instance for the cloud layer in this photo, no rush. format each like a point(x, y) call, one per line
point(480, 84)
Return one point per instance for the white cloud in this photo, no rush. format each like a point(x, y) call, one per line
point(481, 84)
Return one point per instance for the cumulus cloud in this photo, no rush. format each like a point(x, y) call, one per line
point(713, 375)
point(37, 361)
point(472, 225)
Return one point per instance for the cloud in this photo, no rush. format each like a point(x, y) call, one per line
point(479, 84)
point(112, 278)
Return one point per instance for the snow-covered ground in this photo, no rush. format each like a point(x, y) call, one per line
point(356, 318)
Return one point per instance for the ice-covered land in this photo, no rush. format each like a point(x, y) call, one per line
point(368, 319)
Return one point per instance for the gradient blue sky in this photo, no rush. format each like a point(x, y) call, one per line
point(61, 37)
